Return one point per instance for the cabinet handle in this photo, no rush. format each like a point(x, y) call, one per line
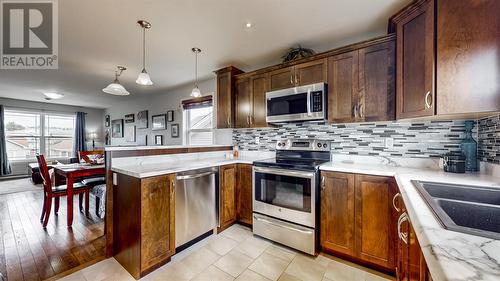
point(428, 103)
point(401, 235)
point(251, 120)
point(323, 183)
point(354, 111)
point(361, 109)
point(291, 79)
point(248, 119)
point(394, 201)
point(229, 121)
point(296, 79)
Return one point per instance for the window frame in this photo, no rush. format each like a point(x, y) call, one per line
point(188, 130)
point(43, 137)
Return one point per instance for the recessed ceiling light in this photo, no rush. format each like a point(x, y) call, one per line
point(248, 25)
point(52, 96)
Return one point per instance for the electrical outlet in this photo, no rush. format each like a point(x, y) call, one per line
point(257, 140)
point(389, 142)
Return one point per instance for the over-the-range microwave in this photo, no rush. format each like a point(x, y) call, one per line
point(303, 103)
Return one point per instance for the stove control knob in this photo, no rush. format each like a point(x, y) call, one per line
point(319, 145)
point(325, 145)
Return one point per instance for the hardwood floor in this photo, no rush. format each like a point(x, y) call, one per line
point(28, 252)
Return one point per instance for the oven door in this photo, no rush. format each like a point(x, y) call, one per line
point(285, 194)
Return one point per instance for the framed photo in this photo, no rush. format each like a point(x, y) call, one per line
point(159, 140)
point(170, 116)
point(107, 120)
point(159, 122)
point(117, 128)
point(130, 118)
point(175, 130)
point(129, 133)
point(142, 119)
point(142, 140)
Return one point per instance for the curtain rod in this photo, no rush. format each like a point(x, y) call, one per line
point(40, 110)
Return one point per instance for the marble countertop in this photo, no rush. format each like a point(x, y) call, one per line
point(145, 170)
point(138, 147)
point(449, 255)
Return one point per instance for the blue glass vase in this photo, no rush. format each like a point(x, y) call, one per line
point(469, 148)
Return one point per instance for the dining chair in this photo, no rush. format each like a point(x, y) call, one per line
point(50, 191)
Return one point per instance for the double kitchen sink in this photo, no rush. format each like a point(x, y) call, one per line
point(467, 209)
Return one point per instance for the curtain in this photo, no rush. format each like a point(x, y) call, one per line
point(79, 143)
point(4, 161)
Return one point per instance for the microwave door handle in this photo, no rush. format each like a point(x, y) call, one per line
point(309, 102)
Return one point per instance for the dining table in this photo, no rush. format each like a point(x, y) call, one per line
point(72, 172)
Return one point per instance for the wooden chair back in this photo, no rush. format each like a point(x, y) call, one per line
point(84, 155)
point(44, 173)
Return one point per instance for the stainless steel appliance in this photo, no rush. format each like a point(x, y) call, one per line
point(303, 103)
point(286, 193)
point(195, 205)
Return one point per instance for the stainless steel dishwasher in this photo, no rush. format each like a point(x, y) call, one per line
point(196, 206)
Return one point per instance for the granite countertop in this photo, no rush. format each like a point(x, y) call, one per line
point(145, 170)
point(449, 255)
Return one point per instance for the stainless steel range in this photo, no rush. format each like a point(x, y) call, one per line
point(286, 193)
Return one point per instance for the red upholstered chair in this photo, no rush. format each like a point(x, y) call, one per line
point(56, 192)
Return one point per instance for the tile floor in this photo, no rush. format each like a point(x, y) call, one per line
point(236, 254)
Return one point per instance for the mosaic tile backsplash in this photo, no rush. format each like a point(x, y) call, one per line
point(489, 139)
point(409, 139)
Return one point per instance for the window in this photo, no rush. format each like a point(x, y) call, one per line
point(28, 133)
point(198, 121)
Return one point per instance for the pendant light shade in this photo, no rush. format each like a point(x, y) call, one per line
point(115, 88)
point(195, 93)
point(143, 78)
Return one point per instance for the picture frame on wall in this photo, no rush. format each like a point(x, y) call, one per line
point(107, 119)
point(142, 119)
point(129, 132)
point(170, 116)
point(174, 130)
point(117, 128)
point(130, 118)
point(159, 122)
point(159, 140)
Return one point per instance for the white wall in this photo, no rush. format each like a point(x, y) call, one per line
point(94, 121)
point(160, 104)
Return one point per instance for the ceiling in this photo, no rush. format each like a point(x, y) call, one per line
point(95, 36)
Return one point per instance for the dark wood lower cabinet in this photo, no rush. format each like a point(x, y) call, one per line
point(143, 222)
point(357, 219)
point(244, 194)
point(227, 196)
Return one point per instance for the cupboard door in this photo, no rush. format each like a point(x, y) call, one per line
point(227, 210)
point(157, 220)
point(311, 72)
point(260, 85)
point(337, 212)
point(224, 101)
point(243, 103)
point(244, 192)
point(468, 43)
point(375, 219)
point(282, 78)
point(415, 63)
point(343, 87)
point(414, 255)
point(377, 74)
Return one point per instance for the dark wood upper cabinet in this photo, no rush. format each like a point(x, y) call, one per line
point(415, 62)
point(227, 193)
point(343, 88)
point(310, 72)
point(375, 220)
point(244, 102)
point(260, 85)
point(244, 194)
point(225, 96)
point(301, 74)
point(282, 78)
point(468, 47)
point(337, 212)
point(377, 74)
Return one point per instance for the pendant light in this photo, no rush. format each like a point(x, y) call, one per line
point(196, 91)
point(143, 78)
point(116, 88)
